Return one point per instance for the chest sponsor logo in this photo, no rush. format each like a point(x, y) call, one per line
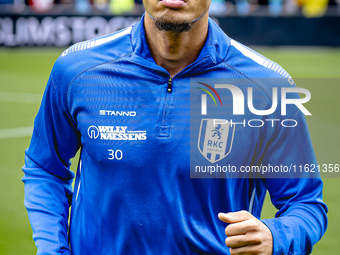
point(115, 133)
point(215, 140)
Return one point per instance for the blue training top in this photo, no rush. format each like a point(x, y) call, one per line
point(133, 193)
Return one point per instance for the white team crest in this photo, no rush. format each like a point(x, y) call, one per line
point(215, 142)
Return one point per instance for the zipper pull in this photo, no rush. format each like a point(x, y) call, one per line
point(170, 85)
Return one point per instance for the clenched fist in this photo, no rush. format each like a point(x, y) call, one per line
point(246, 234)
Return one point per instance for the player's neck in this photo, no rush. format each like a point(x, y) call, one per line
point(174, 51)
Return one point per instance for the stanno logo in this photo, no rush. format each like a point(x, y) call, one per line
point(115, 133)
point(117, 113)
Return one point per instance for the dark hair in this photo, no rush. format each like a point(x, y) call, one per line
point(172, 26)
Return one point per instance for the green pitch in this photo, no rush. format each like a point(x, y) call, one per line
point(23, 75)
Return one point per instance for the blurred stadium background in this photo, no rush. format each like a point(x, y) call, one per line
point(303, 36)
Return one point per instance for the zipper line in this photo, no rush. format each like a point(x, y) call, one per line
point(170, 85)
point(166, 102)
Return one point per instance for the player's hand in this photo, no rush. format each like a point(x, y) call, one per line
point(246, 234)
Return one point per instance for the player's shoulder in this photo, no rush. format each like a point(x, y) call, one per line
point(253, 65)
point(85, 55)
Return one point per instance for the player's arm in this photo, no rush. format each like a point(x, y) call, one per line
point(302, 217)
point(301, 220)
point(47, 178)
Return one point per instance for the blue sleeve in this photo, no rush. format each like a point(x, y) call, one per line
point(47, 178)
point(301, 220)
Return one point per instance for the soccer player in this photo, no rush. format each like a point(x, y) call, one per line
point(124, 101)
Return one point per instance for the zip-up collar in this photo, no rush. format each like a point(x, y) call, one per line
point(213, 53)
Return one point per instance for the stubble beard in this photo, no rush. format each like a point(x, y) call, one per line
point(177, 26)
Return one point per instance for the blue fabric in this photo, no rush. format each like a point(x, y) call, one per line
point(134, 194)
